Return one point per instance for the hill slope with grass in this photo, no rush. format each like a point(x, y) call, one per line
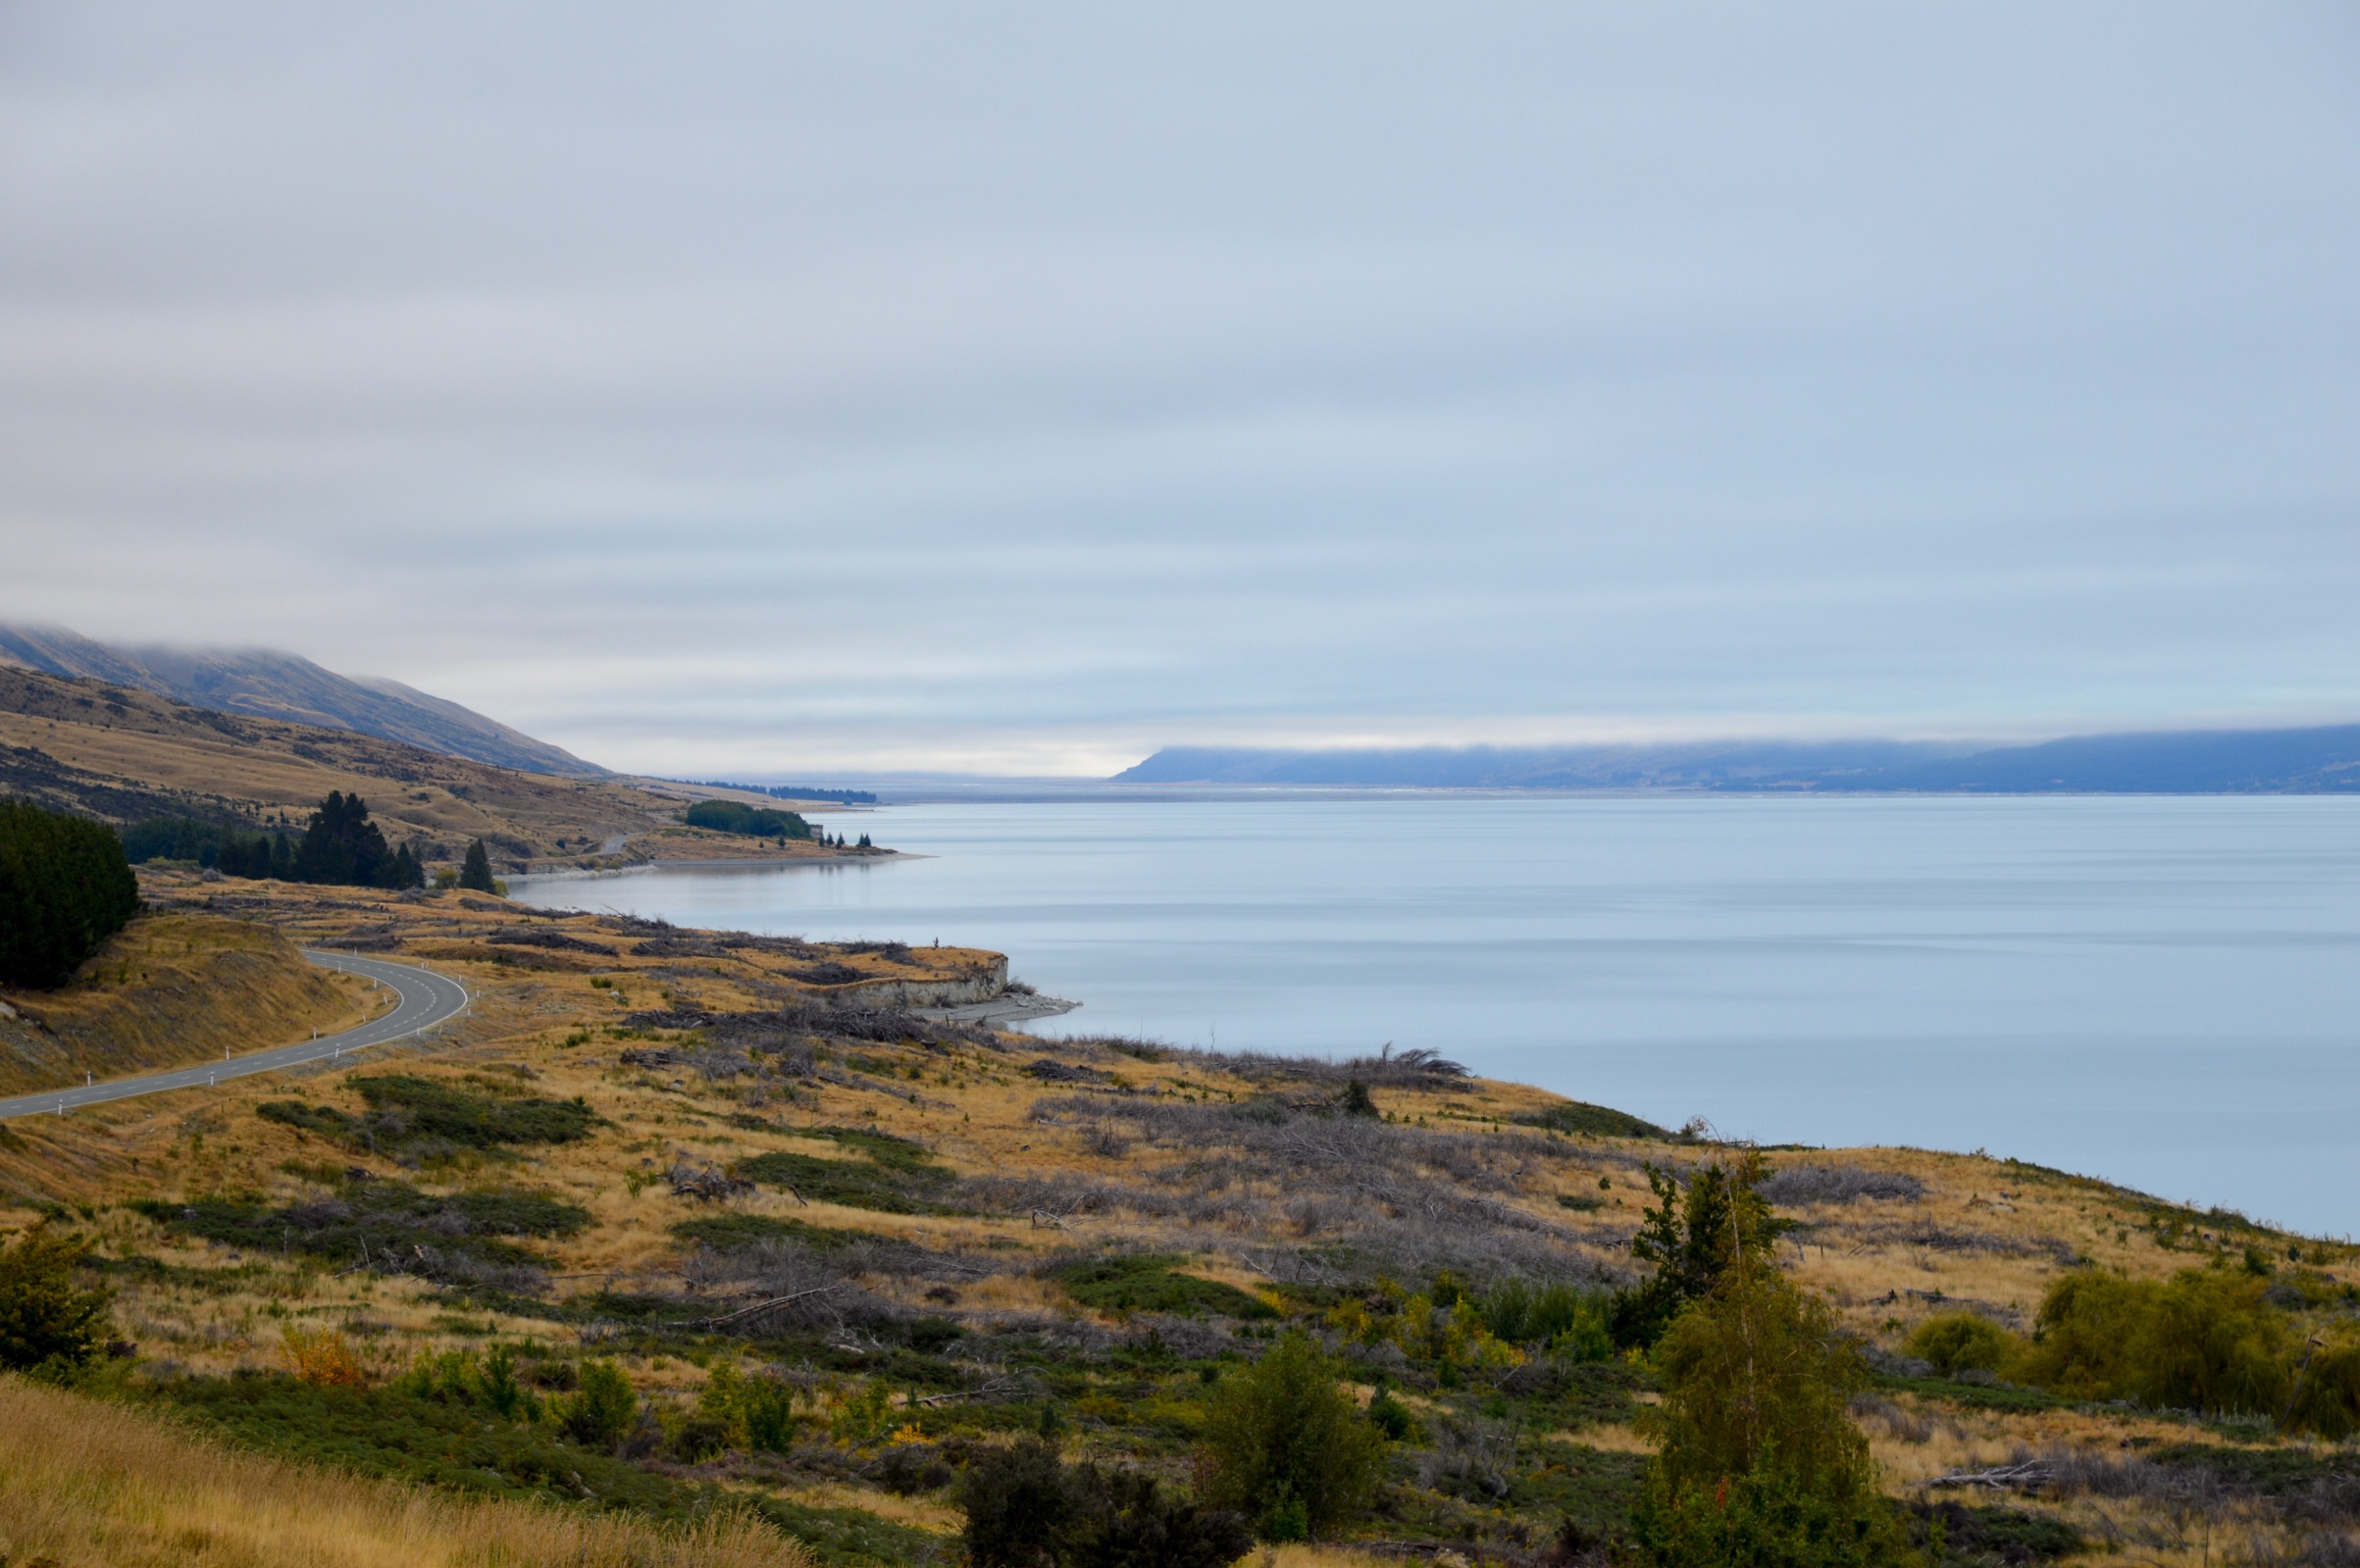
point(124, 755)
point(166, 990)
point(266, 683)
point(677, 1217)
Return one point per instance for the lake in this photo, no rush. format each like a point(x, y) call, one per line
point(2162, 992)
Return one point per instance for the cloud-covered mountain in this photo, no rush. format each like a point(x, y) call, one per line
point(266, 683)
point(2309, 761)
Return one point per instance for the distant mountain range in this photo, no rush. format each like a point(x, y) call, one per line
point(264, 683)
point(2313, 761)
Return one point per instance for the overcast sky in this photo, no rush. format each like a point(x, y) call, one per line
point(1019, 389)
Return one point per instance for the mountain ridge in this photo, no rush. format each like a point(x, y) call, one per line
point(2323, 759)
point(269, 683)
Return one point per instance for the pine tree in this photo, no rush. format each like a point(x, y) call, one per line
point(406, 871)
point(476, 873)
point(65, 888)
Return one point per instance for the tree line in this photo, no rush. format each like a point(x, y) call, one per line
point(65, 888)
point(339, 845)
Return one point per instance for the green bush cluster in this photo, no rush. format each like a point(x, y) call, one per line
point(65, 889)
point(379, 1221)
point(1025, 1507)
point(1691, 1240)
point(1147, 1284)
point(754, 1411)
point(2205, 1339)
point(407, 1112)
point(1574, 1322)
point(1286, 1448)
point(895, 1175)
point(753, 822)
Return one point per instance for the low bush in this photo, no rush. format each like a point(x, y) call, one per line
point(895, 1176)
point(756, 1412)
point(1596, 1121)
point(1026, 1508)
point(386, 1224)
point(1953, 1343)
point(1145, 1284)
point(1574, 1321)
point(410, 1114)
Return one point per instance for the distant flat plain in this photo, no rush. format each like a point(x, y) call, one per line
point(2164, 992)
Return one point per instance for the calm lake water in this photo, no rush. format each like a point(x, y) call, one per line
point(2161, 991)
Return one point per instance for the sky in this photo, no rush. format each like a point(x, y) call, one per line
point(775, 388)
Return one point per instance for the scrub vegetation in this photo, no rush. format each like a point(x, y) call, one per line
point(670, 1242)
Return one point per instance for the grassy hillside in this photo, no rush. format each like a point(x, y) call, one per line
point(113, 1488)
point(695, 1157)
point(122, 755)
point(169, 989)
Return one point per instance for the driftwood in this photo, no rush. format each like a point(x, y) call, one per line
point(2029, 1476)
point(706, 1182)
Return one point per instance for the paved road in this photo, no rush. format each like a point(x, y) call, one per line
point(427, 1000)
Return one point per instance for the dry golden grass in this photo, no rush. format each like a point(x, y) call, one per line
point(173, 988)
point(105, 1487)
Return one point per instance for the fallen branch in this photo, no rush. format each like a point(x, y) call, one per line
point(756, 1310)
point(2025, 1477)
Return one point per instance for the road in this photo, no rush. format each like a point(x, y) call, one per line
point(426, 1000)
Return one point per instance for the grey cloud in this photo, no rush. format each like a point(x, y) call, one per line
point(878, 383)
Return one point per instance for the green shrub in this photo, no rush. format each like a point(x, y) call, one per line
point(1154, 1284)
point(1026, 1508)
point(1125, 1520)
point(408, 1113)
point(1598, 1121)
point(1574, 1321)
point(65, 889)
point(894, 1177)
point(378, 1220)
point(2205, 1339)
point(1280, 1435)
point(44, 1318)
point(599, 1410)
point(1018, 1506)
point(1958, 1341)
point(756, 1412)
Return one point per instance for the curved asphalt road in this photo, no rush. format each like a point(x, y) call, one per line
point(427, 1000)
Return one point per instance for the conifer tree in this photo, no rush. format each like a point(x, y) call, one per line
point(476, 873)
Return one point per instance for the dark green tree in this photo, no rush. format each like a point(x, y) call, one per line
point(406, 871)
point(476, 871)
point(65, 888)
point(341, 845)
point(1283, 1441)
point(1690, 1239)
point(44, 1319)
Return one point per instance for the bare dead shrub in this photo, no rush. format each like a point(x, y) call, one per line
point(1798, 1185)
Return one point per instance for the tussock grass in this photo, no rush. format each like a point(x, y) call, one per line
point(111, 1487)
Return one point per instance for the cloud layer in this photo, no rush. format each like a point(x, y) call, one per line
point(1026, 387)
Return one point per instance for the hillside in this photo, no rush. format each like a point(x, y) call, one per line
point(122, 755)
point(265, 683)
point(170, 989)
point(707, 1156)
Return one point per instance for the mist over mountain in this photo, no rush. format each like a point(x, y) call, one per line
point(266, 683)
point(2319, 760)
